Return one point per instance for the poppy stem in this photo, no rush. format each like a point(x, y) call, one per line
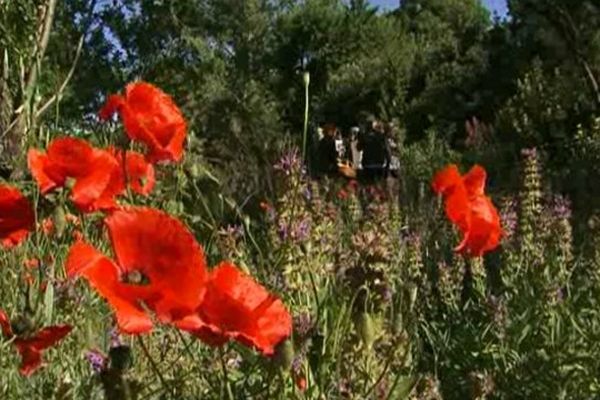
point(306, 104)
point(152, 362)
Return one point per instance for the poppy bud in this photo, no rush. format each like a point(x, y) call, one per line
point(284, 354)
point(306, 78)
point(60, 221)
point(413, 295)
point(174, 207)
point(365, 329)
point(70, 183)
point(21, 325)
point(194, 171)
point(300, 382)
point(121, 358)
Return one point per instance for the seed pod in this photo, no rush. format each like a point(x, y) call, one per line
point(194, 171)
point(284, 355)
point(60, 221)
point(121, 358)
point(70, 183)
point(365, 329)
point(306, 78)
point(21, 325)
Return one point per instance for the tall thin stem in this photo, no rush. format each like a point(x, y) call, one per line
point(152, 362)
point(306, 78)
point(225, 374)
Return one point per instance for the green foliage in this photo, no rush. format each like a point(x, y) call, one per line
point(383, 308)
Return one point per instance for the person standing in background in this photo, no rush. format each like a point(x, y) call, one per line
point(375, 153)
point(326, 151)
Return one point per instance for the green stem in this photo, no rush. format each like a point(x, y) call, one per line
point(152, 362)
point(305, 133)
point(225, 374)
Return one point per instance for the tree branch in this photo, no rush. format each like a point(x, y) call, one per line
point(67, 79)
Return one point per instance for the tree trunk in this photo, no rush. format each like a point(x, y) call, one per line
point(14, 132)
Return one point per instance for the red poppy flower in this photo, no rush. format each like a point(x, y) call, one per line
point(95, 172)
point(469, 209)
point(159, 264)
point(139, 173)
point(17, 218)
point(151, 117)
point(237, 307)
point(31, 348)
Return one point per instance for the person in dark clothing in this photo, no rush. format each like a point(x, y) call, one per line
point(376, 153)
point(326, 151)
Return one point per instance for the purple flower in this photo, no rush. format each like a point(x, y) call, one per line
point(115, 339)
point(277, 282)
point(529, 153)
point(303, 324)
point(97, 360)
point(387, 293)
point(297, 363)
point(282, 231)
point(234, 361)
point(509, 217)
point(302, 230)
point(411, 238)
point(289, 163)
point(561, 207)
point(559, 295)
point(297, 232)
point(307, 193)
point(234, 231)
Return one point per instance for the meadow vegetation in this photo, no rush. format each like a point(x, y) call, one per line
point(163, 235)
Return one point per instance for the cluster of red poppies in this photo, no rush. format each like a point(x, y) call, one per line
point(160, 270)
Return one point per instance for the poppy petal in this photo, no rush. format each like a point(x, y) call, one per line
point(485, 232)
point(69, 157)
point(31, 349)
point(5, 325)
point(457, 208)
point(48, 337)
point(37, 161)
point(162, 248)
point(116, 184)
point(85, 261)
point(244, 310)
point(95, 173)
point(446, 179)
point(140, 173)
point(209, 334)
point(17, 217)
point(31, 359)
point(468, 208)
point(150, 116)
point(474, 181)
point(93, 186)
point(113, 103)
